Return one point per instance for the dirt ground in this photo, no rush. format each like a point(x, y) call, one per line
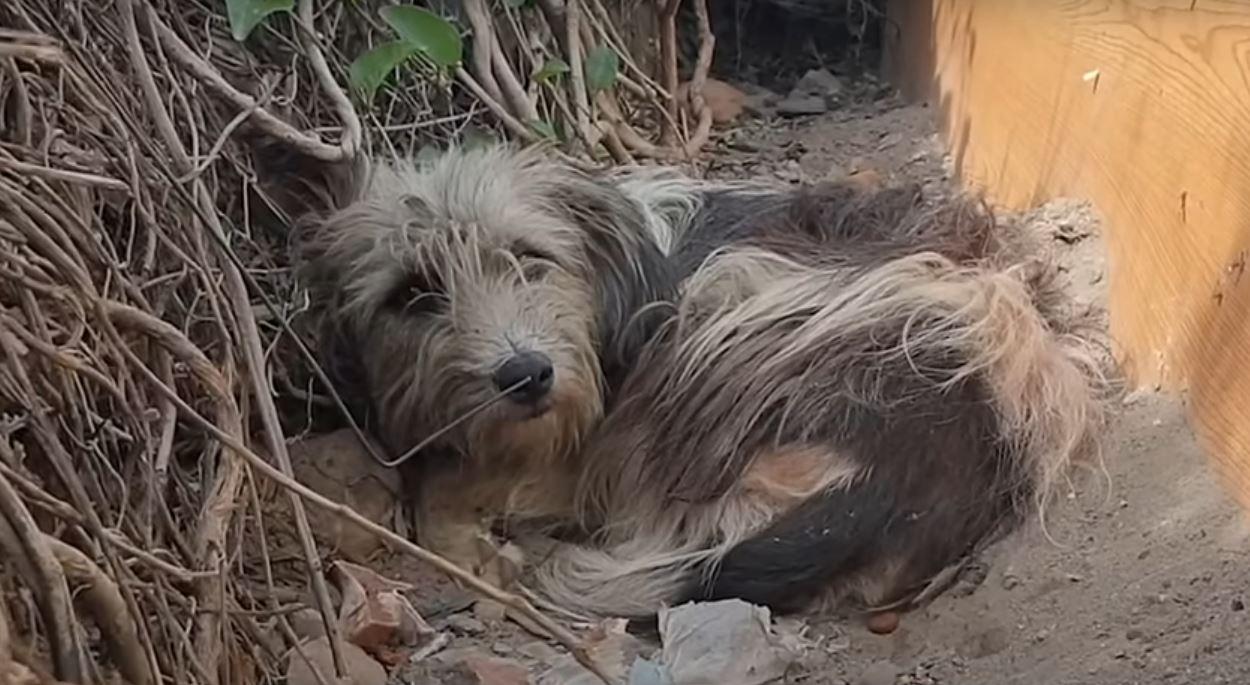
point(1145, 574)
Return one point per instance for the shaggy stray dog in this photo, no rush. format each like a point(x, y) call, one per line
point(780, 395)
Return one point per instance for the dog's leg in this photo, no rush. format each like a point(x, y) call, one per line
point(454, 522)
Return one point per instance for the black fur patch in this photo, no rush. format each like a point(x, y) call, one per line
point(630, 274)
point(799, 553)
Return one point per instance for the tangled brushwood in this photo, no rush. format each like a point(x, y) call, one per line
point(151, 375)
point(155, 344)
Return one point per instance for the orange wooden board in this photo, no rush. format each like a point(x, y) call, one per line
point(1143, 108)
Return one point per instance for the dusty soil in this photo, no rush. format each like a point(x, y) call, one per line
point(1141, 576)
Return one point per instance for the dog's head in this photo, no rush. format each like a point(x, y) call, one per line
point(484, 275)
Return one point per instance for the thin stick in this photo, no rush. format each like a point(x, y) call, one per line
point(67, 654)
point(34, 53)
point(707, 47)
point(479, 20)
point(68, 513)
point(254, 358)
point(666, 15)
point(510, 122)
point(117, 625)
point(349, 144)
point(416, 449)
point(577, 79)
point(64, 175)
point(219, 501)
point(491, 66)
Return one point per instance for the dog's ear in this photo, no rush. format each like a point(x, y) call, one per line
point(297, 183)
point(632, 277)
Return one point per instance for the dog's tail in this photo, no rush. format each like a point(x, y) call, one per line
point(870, 363)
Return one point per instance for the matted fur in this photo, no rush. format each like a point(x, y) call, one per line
point(760, 392)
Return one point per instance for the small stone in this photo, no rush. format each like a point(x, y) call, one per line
point(818, 82)
point(1010, 582)
point(880, 673)
point(883, 623)
point(362, 669)
point(1239, 605)
point(802, 105)
point(1133, 635)
point(501, 648)
point(465, 624)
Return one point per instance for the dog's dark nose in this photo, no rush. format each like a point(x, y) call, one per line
point(534, 366)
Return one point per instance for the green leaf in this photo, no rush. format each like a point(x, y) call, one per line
point(432, 35)
point(545, 129)
point(368, 71)
point(246, 15)
point(553, 68)
point(602, 67)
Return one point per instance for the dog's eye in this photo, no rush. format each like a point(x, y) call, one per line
point(417, 294)
point(534, 263)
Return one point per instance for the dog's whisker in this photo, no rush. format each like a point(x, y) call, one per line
point(414, 450)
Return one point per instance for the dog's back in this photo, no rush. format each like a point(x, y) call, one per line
point(855, 388)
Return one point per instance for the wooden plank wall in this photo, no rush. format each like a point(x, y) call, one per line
point(1143, 108)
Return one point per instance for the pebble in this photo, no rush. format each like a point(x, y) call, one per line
point(817, 82)
point(883, 623)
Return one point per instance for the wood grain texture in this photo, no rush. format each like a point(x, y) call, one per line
point(1143, 108)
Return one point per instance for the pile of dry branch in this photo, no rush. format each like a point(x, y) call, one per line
point(150, 375)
